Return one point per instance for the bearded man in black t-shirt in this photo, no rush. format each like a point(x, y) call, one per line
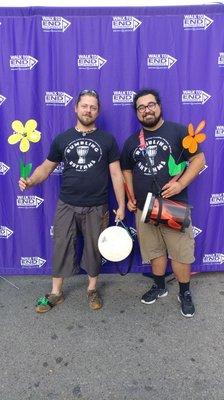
point(90, 156)
point(159, 140)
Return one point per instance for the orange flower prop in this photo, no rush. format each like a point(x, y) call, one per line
point(191, 141)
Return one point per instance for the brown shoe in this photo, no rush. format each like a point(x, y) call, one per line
point(46, 303)
point(95, 301)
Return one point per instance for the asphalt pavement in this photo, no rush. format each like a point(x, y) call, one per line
point(125, 351)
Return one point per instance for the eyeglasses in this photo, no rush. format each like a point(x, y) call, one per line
point(151, 106)
point(88, 91)
point(91, 93)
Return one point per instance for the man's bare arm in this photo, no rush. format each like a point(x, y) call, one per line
point(128, 178)
point(39, 175)
point(196, 164)
point(118, 185)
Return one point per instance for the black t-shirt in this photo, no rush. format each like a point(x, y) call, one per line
point(86, 161)
point(161, 143)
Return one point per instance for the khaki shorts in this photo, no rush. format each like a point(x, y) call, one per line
point(157, 241)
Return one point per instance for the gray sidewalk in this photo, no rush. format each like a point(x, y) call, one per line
point(127, 350)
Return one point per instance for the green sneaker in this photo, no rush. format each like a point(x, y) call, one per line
point(46, 303)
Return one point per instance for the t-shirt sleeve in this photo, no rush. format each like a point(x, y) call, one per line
point(55, 154)
point(114, 154)
point(126, 159)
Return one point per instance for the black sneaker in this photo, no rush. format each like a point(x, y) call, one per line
point(187, 305)
point(153, 294)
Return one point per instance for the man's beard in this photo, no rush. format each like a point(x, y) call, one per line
point(86, 122)
point(152, 122)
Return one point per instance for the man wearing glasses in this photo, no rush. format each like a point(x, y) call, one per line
point(90, 156)
point(144, 162)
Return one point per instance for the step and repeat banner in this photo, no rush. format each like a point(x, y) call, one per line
point(48, 55)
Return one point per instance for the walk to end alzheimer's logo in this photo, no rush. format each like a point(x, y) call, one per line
point(59, 169)
point(57, 99)
point(197, 22)
point(196, 231)
point(32, 262)
point(195, 96)
point(28, 201)
point(2, 99)
point(5, 232)
point(3, 168)
point(123, 97)
point(125, 24)
point(51, 231)
point(221, 60)
point(203, 169)
point(54, 24)
point(158, 61)
point(213, 258)
point(219, 132)
point(217, 199)
point(22, 62)
point(90, 61)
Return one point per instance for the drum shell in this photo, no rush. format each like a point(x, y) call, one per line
point(173, 214)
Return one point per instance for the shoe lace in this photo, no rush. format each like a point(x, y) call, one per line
point(154, 287)
point(187, 297)
point(42, 301)
point(93, 296)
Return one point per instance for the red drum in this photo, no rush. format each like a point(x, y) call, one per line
point(171, 213)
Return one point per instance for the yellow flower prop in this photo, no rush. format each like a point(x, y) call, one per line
point(191, 141)
point(24, 134)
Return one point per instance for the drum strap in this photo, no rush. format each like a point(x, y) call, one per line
point(131, 255)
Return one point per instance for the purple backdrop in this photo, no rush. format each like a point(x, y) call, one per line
point(49, 54)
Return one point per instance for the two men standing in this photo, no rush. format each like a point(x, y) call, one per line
point(90, 156)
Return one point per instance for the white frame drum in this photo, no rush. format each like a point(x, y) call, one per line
point(115, 243)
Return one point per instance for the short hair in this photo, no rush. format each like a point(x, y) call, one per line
point(144, 92)
point(90, 92)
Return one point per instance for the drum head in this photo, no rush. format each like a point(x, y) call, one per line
point(146, 207)
point(115, 243)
